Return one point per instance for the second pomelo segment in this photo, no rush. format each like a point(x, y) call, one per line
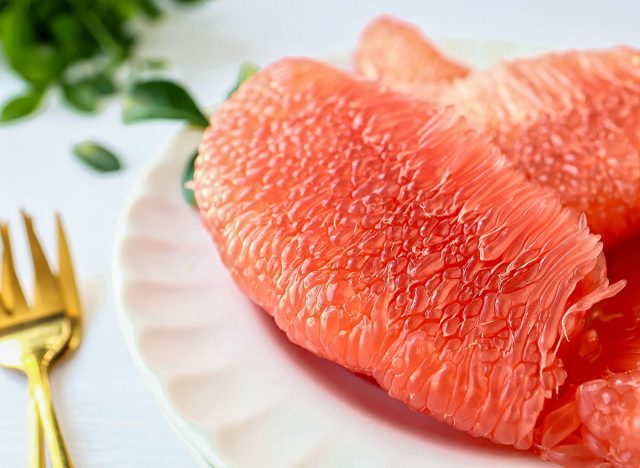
point(570, 121)
point(382, 234)
point(395, 52)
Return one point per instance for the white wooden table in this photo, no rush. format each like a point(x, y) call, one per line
point(108, 416)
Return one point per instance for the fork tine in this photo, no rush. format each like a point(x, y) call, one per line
point(12, 292)
point(4, 310)
point(46, 290)
point(66, 275)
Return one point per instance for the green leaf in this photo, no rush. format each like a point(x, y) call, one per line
point(35, 62)
point(160, 99)
point(82, 95)
point(97, 157)
point(21, 105)
point(246, 71)
point(187, 176)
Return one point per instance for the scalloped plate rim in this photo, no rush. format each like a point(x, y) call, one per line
point(189, 432)
point(193, 440)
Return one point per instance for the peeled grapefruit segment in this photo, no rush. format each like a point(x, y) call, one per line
point(383, 234)
point(570, 121)
point(398, 53)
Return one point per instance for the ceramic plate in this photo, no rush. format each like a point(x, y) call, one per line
point(235, 388)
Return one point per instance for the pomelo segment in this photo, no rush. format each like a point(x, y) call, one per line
point(384, 235)
point(396, 52)
point(570, 121)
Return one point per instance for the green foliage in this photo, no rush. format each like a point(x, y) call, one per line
point(21, 105)
point(76, 45)
point(161, 99)
point(97, 157)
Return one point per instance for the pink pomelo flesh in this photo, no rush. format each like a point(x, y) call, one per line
point(383, 234)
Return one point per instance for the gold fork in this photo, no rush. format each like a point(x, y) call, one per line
point(71, 299)
point(33, 337)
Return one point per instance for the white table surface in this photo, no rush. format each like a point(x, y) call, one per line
point(108, 415)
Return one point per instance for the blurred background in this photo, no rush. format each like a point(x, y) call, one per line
point(109, 417)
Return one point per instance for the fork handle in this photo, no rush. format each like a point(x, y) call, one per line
point(36, 446)
point(39, 379)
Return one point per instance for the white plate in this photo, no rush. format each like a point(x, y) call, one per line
point(237, 390)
